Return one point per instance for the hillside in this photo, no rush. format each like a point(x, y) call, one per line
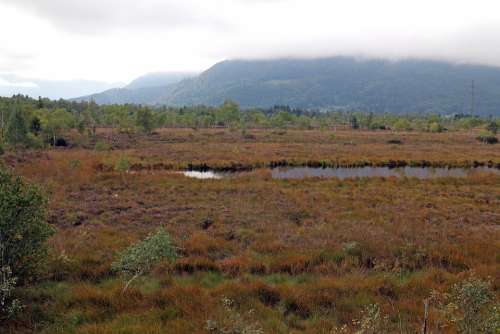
point(159, 79)
point(146, 89)
point(371, 85)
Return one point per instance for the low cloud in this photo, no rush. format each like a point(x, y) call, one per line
point(121, 39)
point(98, 16)
point(6, 83)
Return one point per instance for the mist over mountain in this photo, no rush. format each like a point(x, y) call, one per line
point(146, 89)
point(158, 79)
point(53, 89)
point(367, 84)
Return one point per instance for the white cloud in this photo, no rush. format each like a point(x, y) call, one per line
point(116, 40)
point(6, 83)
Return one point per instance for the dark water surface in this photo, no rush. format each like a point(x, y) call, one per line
point(347, 173)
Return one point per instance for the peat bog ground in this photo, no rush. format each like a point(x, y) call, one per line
point(292, 256)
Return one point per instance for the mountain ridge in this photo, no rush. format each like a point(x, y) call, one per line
point(378, 85)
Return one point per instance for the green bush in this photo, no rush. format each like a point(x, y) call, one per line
point(123, 164)
point(16, 133)
point(102, 146)
point(23, 234)
point(140, 258)
point(471, 306)
point(492, 127)
point(35, 142)
point(145, 120)
point(402, 125)
point(435, 127)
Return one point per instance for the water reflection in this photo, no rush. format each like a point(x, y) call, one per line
point(356, 172)
point(202, 175)
point(345, 173)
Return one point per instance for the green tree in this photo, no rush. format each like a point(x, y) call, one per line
point(23, 235)
point(36, 126)
point(17, 131)
point(435, 127)
point(402, 124)
point(353, 121)
point(228, 114)
point(492, 127)
point(140, 258)
point(57, 122)
point(90, 117)
point(145, 120)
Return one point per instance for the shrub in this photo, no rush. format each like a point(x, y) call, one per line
point(145, 120)
point(140, 258)
point(2, 151)
point(34, 142)
point(435, 127)
point(102, 146)
point(233, 321)
point(492, 127)
point(402, 125)
point(471, 307)
point(23, 235)
point(373, 321)
point(9, 306)
point(123, 164)
point(487, 139)
point(74, 164)
point(16, 133)
point(23, 228)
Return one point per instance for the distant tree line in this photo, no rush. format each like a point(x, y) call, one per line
point(28, 122)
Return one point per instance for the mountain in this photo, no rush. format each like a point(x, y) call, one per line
point(374, 85)
point(53, 89)
point(368, 84)
point(146, 89)
point(158, 79)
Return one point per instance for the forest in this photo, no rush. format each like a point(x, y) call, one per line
point(37, 123)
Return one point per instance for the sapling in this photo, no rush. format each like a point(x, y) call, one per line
point(139, 259)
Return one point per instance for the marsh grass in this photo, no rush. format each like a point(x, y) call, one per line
point(305, 255)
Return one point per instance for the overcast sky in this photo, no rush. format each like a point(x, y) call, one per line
point(118, 40)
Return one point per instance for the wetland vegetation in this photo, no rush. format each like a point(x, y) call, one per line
point(137, 247)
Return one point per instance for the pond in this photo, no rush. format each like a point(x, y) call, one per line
point(349, 173)
point(203, 175)
point(357, 172)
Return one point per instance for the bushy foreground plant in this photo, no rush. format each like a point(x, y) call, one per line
point(373, 321)
point(23, 235)
point(234, 322)
point(140, 258)
point(9, 305)
point(470, 306)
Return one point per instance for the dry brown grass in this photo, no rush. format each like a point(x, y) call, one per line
point(275, 246)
